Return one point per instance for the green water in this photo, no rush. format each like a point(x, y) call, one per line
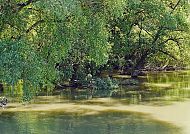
point(159, 88)
point(59, 123)
point(155, 89)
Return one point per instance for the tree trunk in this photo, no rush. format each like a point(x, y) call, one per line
point(1, 87)
point(74, 75)
point(139, 65)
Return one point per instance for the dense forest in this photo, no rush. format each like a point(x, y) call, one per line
point(47, 43)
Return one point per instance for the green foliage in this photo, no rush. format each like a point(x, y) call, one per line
point(151, 28)
point(105, 84)
point(45, 42)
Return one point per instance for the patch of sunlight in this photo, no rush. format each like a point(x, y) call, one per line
point(161, 85)
point(186, 88)
point(101, 100)
point(122, 76)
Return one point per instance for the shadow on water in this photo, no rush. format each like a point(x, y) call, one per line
point(161, 88)
point(60, 123)
point(158, 88)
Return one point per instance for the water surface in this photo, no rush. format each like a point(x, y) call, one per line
point(60, 123)
point(158, 105)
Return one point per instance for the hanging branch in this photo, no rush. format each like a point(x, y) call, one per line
point(34, 25)
point(24, 4)
point(175, 6)
point(168, 54)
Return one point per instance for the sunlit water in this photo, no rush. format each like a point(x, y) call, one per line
point(160, 105)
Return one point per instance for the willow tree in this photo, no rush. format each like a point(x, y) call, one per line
point(151, 30)
point(36, 35)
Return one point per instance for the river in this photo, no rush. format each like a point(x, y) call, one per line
point(159, 105)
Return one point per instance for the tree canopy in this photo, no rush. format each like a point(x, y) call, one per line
point(37, 37)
